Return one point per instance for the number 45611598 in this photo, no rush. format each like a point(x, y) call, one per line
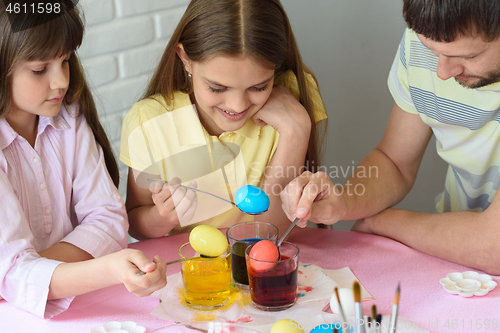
point(40, 8)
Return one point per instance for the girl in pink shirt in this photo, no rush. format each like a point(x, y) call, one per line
point(63, 225)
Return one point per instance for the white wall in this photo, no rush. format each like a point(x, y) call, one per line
point(349, 44)
point(123, 42)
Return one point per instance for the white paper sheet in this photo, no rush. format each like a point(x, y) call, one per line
point(314, 290)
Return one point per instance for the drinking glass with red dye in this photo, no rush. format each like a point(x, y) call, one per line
point(273, 284)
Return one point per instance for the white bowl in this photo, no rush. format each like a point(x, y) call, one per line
point(117, 327)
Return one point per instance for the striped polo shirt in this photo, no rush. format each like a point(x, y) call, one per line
point(465, 122)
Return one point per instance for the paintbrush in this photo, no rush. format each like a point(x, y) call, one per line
point(358, 308)
point(374, 319)
point(379, 323)
point(369, 325)
point(374, 312)
point(394, 314)
point(341, 310)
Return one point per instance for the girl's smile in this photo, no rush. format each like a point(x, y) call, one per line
point(234, 116)
point(228, 90)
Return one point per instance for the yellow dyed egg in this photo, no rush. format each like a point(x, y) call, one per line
point(286, 326)
point(208, 241)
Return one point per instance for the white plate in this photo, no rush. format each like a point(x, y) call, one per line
point(119, 327)
point(468, 284)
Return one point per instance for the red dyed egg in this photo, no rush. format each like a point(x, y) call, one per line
point(263, 252)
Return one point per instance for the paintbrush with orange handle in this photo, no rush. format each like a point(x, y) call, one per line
point(358, 308)
point(394, 315)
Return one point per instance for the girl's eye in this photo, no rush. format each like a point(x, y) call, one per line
point(40, 72)
point(259, 89)
point(215, 90)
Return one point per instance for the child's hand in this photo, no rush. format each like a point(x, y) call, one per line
point(285, 114)
point(174, 203)
point(130, 262)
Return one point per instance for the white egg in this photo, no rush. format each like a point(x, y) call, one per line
point(346, 299)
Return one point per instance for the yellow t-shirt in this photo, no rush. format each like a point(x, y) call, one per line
point(168, 140)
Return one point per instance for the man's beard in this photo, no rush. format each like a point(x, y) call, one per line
point(493, 77)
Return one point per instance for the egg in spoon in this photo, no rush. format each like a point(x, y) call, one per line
point(249, 199)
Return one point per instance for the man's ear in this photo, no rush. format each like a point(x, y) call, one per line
point(184, 58)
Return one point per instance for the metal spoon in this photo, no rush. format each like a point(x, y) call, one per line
point(288, 231)
point(141, 273)
point(251, 199)
point(285, 234)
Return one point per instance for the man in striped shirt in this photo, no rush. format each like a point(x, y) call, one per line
point(445, 81)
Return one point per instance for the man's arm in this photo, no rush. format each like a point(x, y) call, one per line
point(467, 238)
point(390, 169)
point(381, 180)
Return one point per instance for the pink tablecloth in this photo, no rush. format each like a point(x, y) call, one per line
point(379, 263)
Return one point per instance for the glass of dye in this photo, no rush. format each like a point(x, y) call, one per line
point(207, 281)
point(240, 236)
point(274, 288)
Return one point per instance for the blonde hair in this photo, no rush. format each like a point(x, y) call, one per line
point(255, 28)
point(48, 40)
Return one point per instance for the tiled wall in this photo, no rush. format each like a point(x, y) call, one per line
point(123, 42)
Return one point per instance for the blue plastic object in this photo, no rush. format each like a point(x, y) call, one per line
point(251, 200)
point(329, 328)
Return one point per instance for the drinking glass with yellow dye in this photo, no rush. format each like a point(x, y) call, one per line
point(207, 281)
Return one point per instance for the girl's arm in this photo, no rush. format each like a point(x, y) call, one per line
point(101, 227)
point(71, 279)
point(156, 211)
point(99, 217)
point(286, 115)
point(65, 252)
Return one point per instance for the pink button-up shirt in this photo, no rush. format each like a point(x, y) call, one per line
point(59, 190)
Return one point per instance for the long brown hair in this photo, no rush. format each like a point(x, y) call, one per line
point(52, 39)
point(256, 28)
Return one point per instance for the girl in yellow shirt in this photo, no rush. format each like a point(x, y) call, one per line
point(232, 78)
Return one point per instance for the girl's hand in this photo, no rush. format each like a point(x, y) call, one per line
point(285, 114)
point(174, 203)
point(126, 265)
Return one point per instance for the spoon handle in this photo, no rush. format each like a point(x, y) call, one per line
point(183, 259)
point(141, 273)
point(287, 231)
point(195, 189)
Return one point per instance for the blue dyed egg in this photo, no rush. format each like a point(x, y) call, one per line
point(329, 328)
point(251, 199)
